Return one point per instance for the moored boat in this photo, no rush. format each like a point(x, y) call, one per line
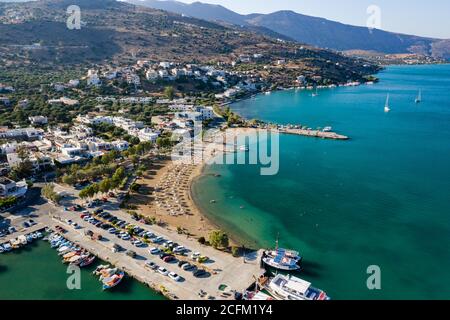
point(87, 261)
point(114, 280)
point(282, 259)
point(22, 240)
point(100, 268)
point(292, 288)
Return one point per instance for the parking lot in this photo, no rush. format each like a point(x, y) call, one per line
point(165, 249)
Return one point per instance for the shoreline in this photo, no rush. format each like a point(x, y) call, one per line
point(170, 197)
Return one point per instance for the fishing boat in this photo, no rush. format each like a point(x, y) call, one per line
point(80, 260)
point(107, 273)
point(73, 259)
point(34, 235)
point(285, 287)
point(387, 108)
point(257, 296)
point(15, 243)
point(282, 259)
point(87, 261)
point(113, 281)
point(7, 247)
point(63, 249)
point(55, 243)
point(315, 93)
point(2, 249)
point(70, 255)
point(419, 97)
point(100, 268)
point(29, 238)
point(22, 239)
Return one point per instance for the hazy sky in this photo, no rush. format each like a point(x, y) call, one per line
point(425, 18)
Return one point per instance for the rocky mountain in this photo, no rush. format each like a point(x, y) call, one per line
point(311, 30)
point(110, 29)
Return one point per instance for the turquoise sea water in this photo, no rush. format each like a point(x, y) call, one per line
point(36, 273)
point(382, 198)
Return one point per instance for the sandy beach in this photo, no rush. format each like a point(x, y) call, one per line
point(166, 187)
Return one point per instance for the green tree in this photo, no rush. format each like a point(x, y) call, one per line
point(69, 179)
point(169, 92)
point(218, 239)
point(118, 176)
point(105, 185)
point(48, 192)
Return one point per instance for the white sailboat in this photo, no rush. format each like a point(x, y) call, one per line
point(386, 106)
point(419, 97)
point(315, 93)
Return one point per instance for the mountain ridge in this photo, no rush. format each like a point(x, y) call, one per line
point(314, 31)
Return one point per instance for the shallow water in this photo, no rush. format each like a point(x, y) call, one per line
point(381, 198)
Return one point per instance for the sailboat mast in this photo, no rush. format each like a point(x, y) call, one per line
point(276, 242)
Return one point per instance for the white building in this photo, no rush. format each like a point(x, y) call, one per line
point(206, 112)
point(92, 78)
point(38, 120)
point(72, 152)
point(165, 65)
point(10, 188)
point(23, 133)
point(59, 87)
point(147, 134)
point(74, 83)
point(163, 73)
point(63, 100)
point(151, 75)
point(23, 103)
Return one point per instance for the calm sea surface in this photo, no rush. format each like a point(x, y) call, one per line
point(382, 198)
point(37, 273)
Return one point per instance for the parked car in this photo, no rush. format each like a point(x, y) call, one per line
point(163, 271)
point(131, 254)
point(182, 263)
point(154, 250)
point(169, 258)
point(188, 267)
point(174, 276)
point(150, 235)
point(158, 239)
point(179, 249)
point(162, 255)
point(200, 273)
point(151, 265)
point(138, 243)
